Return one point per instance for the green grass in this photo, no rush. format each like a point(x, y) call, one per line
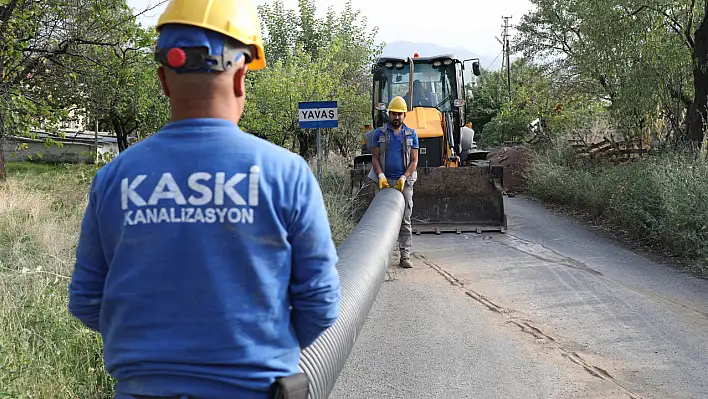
point(44, 352)
point(336, 192)
point(661, 201)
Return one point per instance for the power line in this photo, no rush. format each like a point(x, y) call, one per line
point(495, 60)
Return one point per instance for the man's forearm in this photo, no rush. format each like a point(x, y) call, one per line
point(377, 165)
point(314, 284)
point(90, 270)
point(315, 311)
point(411, 168)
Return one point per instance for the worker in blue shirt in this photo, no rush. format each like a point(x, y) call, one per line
point(394, 159)
point(205, 258)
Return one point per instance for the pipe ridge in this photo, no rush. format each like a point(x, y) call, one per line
point(363, 259)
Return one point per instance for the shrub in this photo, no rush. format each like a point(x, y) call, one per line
point(661, 200)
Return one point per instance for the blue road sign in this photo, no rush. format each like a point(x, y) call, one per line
point(318, 115)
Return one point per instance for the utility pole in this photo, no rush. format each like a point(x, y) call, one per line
point(506, 50)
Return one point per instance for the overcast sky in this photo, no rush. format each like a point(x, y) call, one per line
point(434, 23)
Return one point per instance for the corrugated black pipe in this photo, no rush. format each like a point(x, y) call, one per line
point(363, 259)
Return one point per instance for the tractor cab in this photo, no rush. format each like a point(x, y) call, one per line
point(436, 82)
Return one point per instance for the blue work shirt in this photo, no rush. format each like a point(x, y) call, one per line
point(194, 246)
point(394, 156)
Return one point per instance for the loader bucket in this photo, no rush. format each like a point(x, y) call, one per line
point(464, 199)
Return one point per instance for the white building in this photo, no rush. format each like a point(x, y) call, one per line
point(75, 147)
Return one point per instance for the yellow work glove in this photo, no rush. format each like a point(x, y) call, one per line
point(401, 183)
point(383, 182)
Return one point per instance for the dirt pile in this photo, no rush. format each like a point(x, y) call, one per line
point(516, 161)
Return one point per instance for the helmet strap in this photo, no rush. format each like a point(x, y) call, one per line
point(197, 59)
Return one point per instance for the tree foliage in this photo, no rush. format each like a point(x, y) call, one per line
point(311, 59)
point(647, 59)
point(45, 46)
point(91, 56)
point(538, 92)
point(120, 89)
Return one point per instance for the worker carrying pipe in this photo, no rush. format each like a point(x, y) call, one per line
point(205, 258)
point(394, 159)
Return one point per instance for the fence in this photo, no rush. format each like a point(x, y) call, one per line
point(609, 149)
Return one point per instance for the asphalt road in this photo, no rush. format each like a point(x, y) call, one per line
point(551, 309)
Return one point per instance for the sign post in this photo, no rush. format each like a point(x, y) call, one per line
point(318, 115)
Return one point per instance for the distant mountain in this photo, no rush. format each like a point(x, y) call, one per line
point(407, 49)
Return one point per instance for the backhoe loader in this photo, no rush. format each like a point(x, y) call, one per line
point(457, 189)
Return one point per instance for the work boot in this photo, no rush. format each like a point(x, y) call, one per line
point(406, 263)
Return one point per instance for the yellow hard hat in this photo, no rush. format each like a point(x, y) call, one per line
point(237, 19)
point(398, 104)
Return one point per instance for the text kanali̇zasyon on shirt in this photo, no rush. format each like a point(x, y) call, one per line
point(208, 202)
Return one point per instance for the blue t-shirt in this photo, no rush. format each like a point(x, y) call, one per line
point(194, 246)
point(394, 156)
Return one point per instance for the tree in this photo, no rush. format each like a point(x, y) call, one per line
point(311, 59)
point(39, 42)
point(121, 90)
point(679, 17)
point(644, 58)
point(488, 97)
point(538, 92)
